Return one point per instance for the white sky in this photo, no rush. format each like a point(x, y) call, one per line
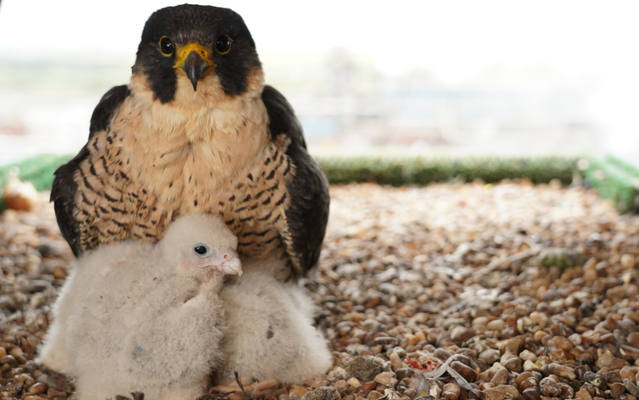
point(453, 38)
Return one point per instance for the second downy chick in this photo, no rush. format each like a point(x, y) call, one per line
point(270, 333)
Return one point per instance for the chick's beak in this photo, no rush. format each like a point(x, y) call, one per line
point(195, 61)
point(227, 262)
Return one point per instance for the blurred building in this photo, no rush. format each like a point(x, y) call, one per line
point(345, 105)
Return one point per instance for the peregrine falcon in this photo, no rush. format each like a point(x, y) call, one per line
point(195, 131)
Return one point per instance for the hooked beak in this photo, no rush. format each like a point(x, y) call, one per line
point(227, 262)
point(194, 60)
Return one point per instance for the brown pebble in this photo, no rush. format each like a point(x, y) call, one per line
point(298, 391)
point(531, 393)
point(364, 368)
point(452, 388)
point(374, 395)
point(628, 261)
point(52, 393)
point(567, 392)
point(539, 335)
point(396, 361)
point(631, 387)
point(386, 340)
point(460, 334)
point(549, 387)
point(403, 373)
point(465, 371)
point(522, 377)
point(629, 351)
point(513, 364)
point(341, 385)
point(370, 385)
point(37, 388)
point(387, 379)
point(528, 383)
point(26, 379)
point(323, 393)
point(583, 394)
point(449, 396)
point(633, 340)
point(442, 354)
point(16, 352)
point(628, 373)
point(496, 325)
point(562, 370)
point(489, 356)
point(8, 360)
point(617, 389)
point(501, 392)
point(500, 377)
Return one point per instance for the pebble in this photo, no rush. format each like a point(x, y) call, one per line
point(396, 362)
point(514, 364)
point(323, 393)
point(354, 382)
point(370, 385)
point(501, 392)
point(465, 371)
point(408, 278)
point(583, 394)
point(298, 391)
point(563, 371)
point(527, 355)
point(403, 373)
point(617, 389)
point(489, 356)
point(531, 393)
point(628, 261)
point(631, 387)
point(387, 379)
point(364, 368)
point(500, 377)
point(496, 325)
point(37, 388)
point(460, 334)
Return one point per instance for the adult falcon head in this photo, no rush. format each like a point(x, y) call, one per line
point(195, 131)
point(186, 46)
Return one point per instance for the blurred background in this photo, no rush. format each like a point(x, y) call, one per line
point(450, 78)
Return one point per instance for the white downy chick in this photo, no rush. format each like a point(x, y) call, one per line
point(93, 266)
point(270, 333)
point(151, 323)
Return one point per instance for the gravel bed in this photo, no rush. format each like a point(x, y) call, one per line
point(451, 291)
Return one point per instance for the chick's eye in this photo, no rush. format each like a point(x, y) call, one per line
point(200, 249)
point(223, 44)
point(166, 46)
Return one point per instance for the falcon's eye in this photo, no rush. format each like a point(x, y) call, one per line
point(166, 46)
point(223, 44)
point(200, 249)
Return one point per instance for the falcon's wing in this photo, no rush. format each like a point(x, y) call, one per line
point(64, 186)
point(308, 190)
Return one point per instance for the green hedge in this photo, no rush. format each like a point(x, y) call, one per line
point(38, 170)
point(386, 171)
point(614, 179)
point(421, 171)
